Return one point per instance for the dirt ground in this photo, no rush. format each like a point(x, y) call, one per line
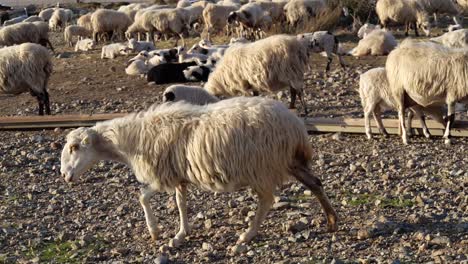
point(396, 203)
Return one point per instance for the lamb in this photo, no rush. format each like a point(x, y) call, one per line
point(113, 50)
point(73, 30)
point(105, 20)
point(441, 7)
point(199, 73)
point(156, 60)
point(140, 45)
point(60, 18)
point(173, 145)
point(137, 67)
point(170, 55)
point(26, 68)
point(324, 41)
point(454, 39)
point(85, 45)
point(297, 11)
point(190, 94)
point(186, 57)
point(46, 14)
point(376, 97)
point(365, 29)
point(33, 19)
point(407, 12)
point(169, 73)
point(416, 78)
point(270, 64)
point(377, 43)
point(214, 17)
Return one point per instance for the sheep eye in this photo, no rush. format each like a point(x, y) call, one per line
point(74, 147)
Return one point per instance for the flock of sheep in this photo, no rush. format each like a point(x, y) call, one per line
point(187, 139)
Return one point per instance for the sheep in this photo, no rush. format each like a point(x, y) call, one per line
point(85, 45)
point(377, 43)
point(270, 64)
point(274, 9)
point(85, 21)
point(233, 41)
point(140, 45)
point(451, 28)
point(105, 20)
point(26, 68)
point(169, 55)
point(214, 52)
point(137, 67)
point(324, 41)
point(190, 94)
point(185, 57)
point(191, 14)
point(74, 30)
point(60, 18)
point(463, 4)
point(376, 97)
point(16, 19)
point(168, 73)
point(297, 11)
point(156, 60)
point(427, 74)
point(170, 21)
point(33, 19)
point(249, 16)
point(454, 39)
point(199, 73)
point(24, 32)
point(46, 14)
point(407, 12)
point(183, 3)
point(113, 50)
point(213, 147)
point(441, 7)
point(132, 9)
point(214, 17)
point(365, 29)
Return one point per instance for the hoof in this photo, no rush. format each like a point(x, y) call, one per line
point(332, 226)
point(447, 141)
point(175, 243)
point(154, 236)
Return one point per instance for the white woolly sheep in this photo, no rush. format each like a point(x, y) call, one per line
point(140, 45)
point(24, 32)
point(298, 11)
point(365, 29)
point(324, 41)
point(33, 19)
point(377, 43)
point(26, 68)
point(441, 7)
point(60, 18)
point(43, 31)
point(155, 60)
point(46, 14)
point(249, 17)
point(191, 14)
point(213, 147)
point(85, 21)
point(406, 12)
point(74, 30)
point(137, 67)
point(463, 6)
point(427, 74)
point(85, 45)
point(113, 50)
point(454, 39)
point(191, 94)
point(183, 3)
point(267, 65)
point(274, 9)
point(104, 21)
point(169, 21)
point(17, 19)
point(376, 97)
point(215, 17)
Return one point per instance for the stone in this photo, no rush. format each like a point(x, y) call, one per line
point(239, 249)
point(161, 260)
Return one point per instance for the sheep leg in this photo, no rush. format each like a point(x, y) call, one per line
point(416, 33)
point(378, 119)
point(301, 98)
point(46, 102)
point(181, 200)
point(407, 29)
point(409, 129)
point(329, 61)
point(265, 201)
point(292, 103)
point(146, 194)
point(303, 174)
point(401, 117)
point(367, 125)
point(436, 21)
point(450, 121)
point(342, 63)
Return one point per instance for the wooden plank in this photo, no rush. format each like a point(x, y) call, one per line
point(321, 125)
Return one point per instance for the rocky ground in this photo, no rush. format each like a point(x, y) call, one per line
point(396, 203)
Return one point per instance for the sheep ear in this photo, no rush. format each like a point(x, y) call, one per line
point(168, 97)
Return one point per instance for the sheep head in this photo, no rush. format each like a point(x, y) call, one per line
point(79, 153)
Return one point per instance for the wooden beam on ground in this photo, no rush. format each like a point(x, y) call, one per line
point(320, 125)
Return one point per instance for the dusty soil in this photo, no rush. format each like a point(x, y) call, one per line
point(396, 203)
